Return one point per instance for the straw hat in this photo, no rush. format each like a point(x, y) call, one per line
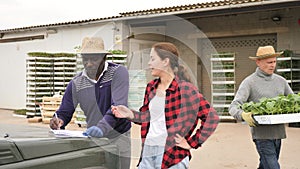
point(92, 45)
point(265, 52)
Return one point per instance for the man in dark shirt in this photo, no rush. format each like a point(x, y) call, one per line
point(99, 86)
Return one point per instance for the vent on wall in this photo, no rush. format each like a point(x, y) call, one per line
point(244, 43)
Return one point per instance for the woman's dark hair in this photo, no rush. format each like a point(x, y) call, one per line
point(169, 50)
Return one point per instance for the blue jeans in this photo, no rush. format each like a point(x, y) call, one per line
point(152, 158)
point(268, 150)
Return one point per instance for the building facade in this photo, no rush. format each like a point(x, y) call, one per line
point(236, 27)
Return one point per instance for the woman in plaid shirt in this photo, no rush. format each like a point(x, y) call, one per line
point(170, 112)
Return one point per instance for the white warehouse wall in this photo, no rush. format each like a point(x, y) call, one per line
point(13, 57)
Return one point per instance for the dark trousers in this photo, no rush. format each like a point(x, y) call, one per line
point(268, 150)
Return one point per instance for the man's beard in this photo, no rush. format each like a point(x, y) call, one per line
point(92, 73)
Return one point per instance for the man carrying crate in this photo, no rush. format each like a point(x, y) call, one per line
point(262, 83)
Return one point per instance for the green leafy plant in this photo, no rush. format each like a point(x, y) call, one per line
point(287, 53)
point(120, 52)
point(277, 105)
point(44, 54)
point(20, 111)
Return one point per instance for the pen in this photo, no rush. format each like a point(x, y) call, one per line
point(55, 114)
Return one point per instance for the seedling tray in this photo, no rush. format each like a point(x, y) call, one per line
point(278, 118)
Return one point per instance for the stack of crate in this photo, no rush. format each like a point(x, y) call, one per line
point(47, 74)
point(80, 118)
point(48, 107)
point(137, 85)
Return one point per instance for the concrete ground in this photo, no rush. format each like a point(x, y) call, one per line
point(230, 147)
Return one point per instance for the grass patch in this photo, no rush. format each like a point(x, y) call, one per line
point(20, 111)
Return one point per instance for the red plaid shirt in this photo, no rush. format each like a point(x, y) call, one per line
point(184, 105)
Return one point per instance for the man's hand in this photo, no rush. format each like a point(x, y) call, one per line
point(94, 131)
point(249, 119)
point(56, 123)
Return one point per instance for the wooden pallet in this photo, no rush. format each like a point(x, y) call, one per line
point(48, 107)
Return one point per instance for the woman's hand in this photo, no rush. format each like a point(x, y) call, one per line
point(182, 142)
point(121, 111)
